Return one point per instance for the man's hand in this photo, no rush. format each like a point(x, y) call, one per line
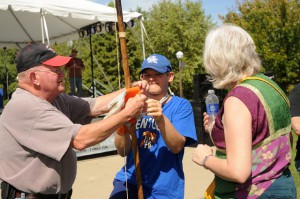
point(154, 109)
point(118, 102)
point(134, 106)
point(144, 86)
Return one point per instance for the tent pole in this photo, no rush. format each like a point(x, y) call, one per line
point(127, 84)
point(92, 65)
point(143, 41)
point(46, 28)
point(42, 28)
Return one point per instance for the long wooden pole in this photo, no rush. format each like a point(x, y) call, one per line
point(122, 37)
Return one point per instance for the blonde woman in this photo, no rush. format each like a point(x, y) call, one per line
point(252, 129)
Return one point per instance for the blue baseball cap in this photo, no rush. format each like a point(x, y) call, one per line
point(158, 63)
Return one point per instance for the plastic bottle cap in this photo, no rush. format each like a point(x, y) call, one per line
point(211, 91)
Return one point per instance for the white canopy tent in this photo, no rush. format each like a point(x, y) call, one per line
point(24, 21)
point(50, 21)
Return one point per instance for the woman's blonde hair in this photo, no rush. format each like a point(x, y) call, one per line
point(229, 55)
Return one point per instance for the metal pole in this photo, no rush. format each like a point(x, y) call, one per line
point(74, 76)
point(92, 65)
point(179, 56)
point(180, 79)
point(6, 73)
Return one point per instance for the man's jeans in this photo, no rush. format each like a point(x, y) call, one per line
point(76, 82)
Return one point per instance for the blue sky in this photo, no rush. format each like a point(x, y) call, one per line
point(211, 7)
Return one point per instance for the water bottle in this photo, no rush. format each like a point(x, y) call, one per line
point(212, 106)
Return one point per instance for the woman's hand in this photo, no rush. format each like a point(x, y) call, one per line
point(206, 123)
point(200, 152)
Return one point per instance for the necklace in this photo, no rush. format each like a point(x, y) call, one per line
point(164, 99)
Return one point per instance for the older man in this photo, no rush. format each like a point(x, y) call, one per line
point(41, 125)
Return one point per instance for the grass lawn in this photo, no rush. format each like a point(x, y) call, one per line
point(293, 169)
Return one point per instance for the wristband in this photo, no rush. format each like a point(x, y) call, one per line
point(205, 160)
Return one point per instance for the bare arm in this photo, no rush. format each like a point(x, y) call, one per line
point(96, 132)
point(123, 144)
point(296, 125)
point(238, 137)
point(102, 101)
point(173, 139)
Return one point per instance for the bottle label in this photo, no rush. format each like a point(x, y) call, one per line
point(212, 109)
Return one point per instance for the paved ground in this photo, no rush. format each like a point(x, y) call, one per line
point(95, 176)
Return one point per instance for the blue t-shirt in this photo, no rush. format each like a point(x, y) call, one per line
point(162, 170)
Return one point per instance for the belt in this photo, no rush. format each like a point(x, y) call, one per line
point(12, 192)
point(43, 196)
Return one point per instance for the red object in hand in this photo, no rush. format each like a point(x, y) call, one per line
point(130, 92)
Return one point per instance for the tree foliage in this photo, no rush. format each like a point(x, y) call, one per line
point(105, 64)
point(175, 26)
point(171, 26)
point(181, 25)
point(274, 26)
point(7, 72)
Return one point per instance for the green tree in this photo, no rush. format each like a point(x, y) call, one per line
point(274, 26)
point(107, 63)
point(171, 27)
point(7, 66)
point(175, 26)
point(107, 57)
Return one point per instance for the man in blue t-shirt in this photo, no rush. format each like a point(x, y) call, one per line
point(162, 133)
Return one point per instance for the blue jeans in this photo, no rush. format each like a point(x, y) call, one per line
point(76, 82)
point(282, 188)
point(119, 191)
